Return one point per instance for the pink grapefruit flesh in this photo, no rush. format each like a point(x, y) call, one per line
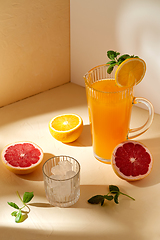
point(22, 157)
point(131, 161)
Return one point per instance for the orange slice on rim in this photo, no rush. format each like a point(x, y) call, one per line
point(130, 72)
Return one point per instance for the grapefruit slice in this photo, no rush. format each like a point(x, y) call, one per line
point(131, 161)
point(22, 157)
point(66, 127)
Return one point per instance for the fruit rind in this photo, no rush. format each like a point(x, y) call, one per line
point(19, 170)
point(120, 174)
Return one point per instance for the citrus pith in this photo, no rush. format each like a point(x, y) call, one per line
point(66, 127)
point(22, 157)
point(130, 72)
point(131, 160)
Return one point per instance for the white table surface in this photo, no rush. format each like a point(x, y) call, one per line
point(27, 120)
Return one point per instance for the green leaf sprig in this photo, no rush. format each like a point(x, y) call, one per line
point(115, 60)
point(19, 213)
point(113, 194)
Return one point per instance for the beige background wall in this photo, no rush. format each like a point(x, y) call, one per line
point(128, 26)
point(34, 47)
point(38, 38)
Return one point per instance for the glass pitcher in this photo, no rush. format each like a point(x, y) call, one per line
point(110, 108)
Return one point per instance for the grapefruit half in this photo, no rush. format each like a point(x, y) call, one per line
point(22, 157)
point(131, 160)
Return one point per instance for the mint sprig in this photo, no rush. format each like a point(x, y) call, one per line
point(115, 60)
point(113, 194)
point(27, 197)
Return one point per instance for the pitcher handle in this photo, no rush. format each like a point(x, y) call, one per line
point(140, 130)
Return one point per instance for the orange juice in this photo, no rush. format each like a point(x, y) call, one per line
point(109, 112)
point(110, 108)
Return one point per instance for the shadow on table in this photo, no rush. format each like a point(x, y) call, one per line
point(153, 179)
point(84, 139)
point(87, 191)
point(152, 144)
point(41, 205)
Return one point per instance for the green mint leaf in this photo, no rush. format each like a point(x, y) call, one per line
point(120, 62)
point(123, 57)
point(96, 199)
point(102, 202)
point(14, 213)
point(132, 56)
point(112, 54)
point(111, 62)
point(110, 68)
point(116, 198)
point(27, 197)
point(18, 217)
point(108, 197)
point(113, 189)
point(13, 205)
